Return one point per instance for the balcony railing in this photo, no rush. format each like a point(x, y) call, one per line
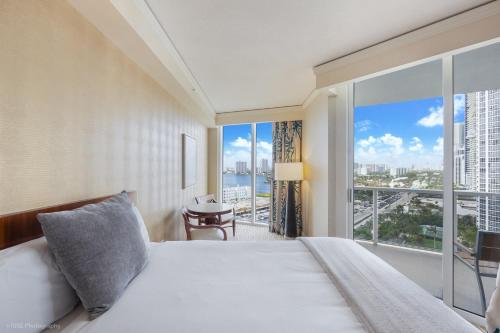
point(385, 201)
point(420, 214)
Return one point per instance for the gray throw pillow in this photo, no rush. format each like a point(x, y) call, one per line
point(99, 249)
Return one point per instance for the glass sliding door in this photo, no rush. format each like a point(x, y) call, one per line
point(426, 175)
point(476, 151)
point(264, 171)
point(398, 170)
point(237, 170)
point(247, 170)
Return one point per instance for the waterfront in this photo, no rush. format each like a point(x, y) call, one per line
point(262, 186)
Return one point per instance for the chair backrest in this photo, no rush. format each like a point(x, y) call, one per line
point(205, 198)
point(188, 216)
point(488, 246)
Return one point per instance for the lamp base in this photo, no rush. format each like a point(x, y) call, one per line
point(291, 216)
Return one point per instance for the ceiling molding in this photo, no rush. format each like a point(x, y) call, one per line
point(285, 113)
point(471, 27)
point(132, 27)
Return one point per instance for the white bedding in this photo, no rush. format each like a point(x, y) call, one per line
point(205, 286)
point(382, 297)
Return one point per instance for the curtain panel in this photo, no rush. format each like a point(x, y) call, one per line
point(287, 147)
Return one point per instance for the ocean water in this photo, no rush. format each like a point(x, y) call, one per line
point(261, 184)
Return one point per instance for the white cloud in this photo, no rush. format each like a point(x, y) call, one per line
point(386, 143)
point(434, 118)
point(391, 140)
point(367, 153)
point(363, 125)
point(459, 103)
point(416, 145)
point(265, 146)
point(367, 142)
point(232, 156)
point(241, 143)
point(395, 142)
point(391, 150)
point(241, 151)
point(438, 147)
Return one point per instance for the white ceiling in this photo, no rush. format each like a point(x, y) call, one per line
point(254, 54)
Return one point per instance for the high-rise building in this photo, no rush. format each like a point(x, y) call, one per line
point(459, 153)
point(241, 167)
point(398, 172)
point(264, 166)
point(482, 153)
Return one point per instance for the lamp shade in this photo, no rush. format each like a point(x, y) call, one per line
point(288, 171)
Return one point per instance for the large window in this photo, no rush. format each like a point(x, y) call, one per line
point(476, 155)
point(398, 159)
point(247, 170)
point(426, 171)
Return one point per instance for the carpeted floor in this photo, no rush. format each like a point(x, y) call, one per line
point(247, 232)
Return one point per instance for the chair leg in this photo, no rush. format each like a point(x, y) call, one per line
point(234, 228)
point(481, 288)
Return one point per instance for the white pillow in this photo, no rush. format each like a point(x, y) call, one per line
point(34, 293)
point(142, 227)
point(493, 311)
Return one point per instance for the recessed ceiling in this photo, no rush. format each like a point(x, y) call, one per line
point(260, 53)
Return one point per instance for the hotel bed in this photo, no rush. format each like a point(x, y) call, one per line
point(303, 285)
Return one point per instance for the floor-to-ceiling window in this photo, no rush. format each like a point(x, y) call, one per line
point(476, 153)
point(247, 170)
point(398, 163)
point(426, 170)
point(237, 170)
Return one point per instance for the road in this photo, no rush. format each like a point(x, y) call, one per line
point(385, 205)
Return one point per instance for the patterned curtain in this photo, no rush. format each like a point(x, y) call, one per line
point(287, 147)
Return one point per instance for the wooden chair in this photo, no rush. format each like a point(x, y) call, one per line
point(487, 249)
point(201, 232)
point(222, 219)
point(205, 198)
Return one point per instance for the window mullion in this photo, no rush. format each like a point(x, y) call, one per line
point(254, 170)
point(448, 200)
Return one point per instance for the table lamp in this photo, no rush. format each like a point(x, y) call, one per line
point(290, 172)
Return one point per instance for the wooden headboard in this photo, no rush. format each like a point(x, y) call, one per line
point(17, 228)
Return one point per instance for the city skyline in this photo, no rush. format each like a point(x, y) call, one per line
point(237, 144)
point(241, 167)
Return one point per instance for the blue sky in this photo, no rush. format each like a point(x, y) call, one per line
point(237, 143)
point(402, 134)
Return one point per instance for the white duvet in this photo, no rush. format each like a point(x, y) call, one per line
point(205, 286)
point(308, 285)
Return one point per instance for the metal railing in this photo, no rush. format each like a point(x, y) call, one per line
point(458, 194)
point(375, 194)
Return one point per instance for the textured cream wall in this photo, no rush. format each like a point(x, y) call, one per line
point(78, 119)
point(315, 157)
point(213, 161)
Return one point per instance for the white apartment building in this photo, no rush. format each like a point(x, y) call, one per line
point(236, 193)
point(459, 154)
point(482, 153)
point(398, 172)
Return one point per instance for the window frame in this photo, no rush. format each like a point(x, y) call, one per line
point(253, 163)
point(449, 194)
